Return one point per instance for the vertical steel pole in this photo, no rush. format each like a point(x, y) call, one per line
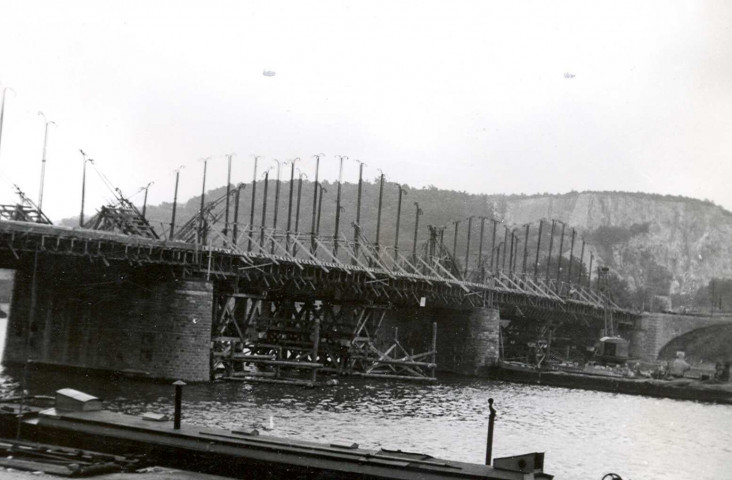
point(201, 219)
point(582, 263)
point(228, 196)
point(43, 161)
point(493, 242)
point(289, 204)
point(505, 246)
point(398, 221)
point(561, 250)
point(297, 211)
point(378, 215)
point(175, 204)
point(456, 223)
point(83, 188)
point(480, 251)
point(235, 229)
point(2, 114)
point(276, 208)
point(417, 213)
point(510, 256)
point(254, 198)
point(538, 249)
point(551, 247)
point(315, 204)
point(338, 205)
point(467, 247)
point(357, 228)
point(144, 202)
point(526, 248)
point(264, 210)
point(589, 272)
point(320, 208)
point(571, 254)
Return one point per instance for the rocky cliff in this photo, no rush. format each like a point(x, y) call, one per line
point(679, 242)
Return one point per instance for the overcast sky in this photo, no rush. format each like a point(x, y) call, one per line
point(487, 97)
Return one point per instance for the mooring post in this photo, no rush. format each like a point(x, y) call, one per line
point(178, 402)
point(489, 443)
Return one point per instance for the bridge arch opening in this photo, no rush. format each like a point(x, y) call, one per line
point(707, 344)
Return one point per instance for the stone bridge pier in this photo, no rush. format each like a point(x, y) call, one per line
point(467, 339)
point(136, 321)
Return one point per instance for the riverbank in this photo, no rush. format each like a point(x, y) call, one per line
point(679, 389)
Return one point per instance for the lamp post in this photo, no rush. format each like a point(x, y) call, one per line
point(43, 159)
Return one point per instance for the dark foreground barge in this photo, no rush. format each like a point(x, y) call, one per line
point(78, 421)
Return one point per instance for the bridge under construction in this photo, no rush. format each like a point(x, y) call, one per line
point(221, 298)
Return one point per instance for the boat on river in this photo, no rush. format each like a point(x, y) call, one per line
point(77, 420)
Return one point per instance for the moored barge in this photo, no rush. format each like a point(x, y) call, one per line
point(78, 421)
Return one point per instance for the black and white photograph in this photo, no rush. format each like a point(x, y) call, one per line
point(366, 239)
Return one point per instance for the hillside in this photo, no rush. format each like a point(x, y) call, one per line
point(660, 245)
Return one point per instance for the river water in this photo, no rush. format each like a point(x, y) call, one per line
point(584, 434)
